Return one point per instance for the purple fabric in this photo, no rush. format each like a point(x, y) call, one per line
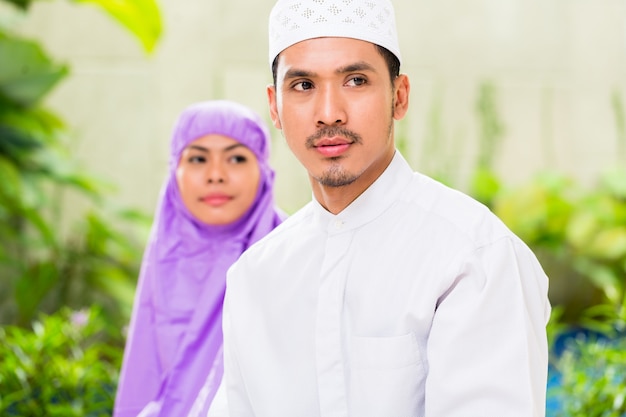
point(175, 335)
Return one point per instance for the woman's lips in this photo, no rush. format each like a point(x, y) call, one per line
point(216, 200)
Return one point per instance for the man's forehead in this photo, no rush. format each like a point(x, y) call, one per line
point(338, 54)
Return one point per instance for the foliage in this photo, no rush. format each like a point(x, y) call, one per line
point(592, 377)
point(579, 235)
point(43, 266)
point(140, 17)
point(485, 184)
point(65, 365)
point(587, 374)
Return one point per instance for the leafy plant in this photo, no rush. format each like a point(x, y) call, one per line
point(592, 377)
point(484, 183)
point(579, 235)
point(65, 365)
point(43, 267)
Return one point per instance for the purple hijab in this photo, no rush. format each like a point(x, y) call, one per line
point(175, 336)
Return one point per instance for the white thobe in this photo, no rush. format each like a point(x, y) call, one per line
point(413, 301)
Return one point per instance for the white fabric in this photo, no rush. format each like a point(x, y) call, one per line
point(293, 21)
point(219, 405)
point(414, 301)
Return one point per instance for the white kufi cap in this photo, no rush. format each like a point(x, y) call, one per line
point(293, 21)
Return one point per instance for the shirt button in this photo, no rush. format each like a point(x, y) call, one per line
point(338, 224)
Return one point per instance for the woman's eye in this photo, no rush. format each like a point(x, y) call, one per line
point(238, 159)
point(357, 81)
point(303, 85)
point(196, 159)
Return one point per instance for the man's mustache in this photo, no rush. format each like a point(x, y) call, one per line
point(332, 131)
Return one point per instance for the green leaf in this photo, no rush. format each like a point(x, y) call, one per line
point(10, 186)
point(609, 243)
point(33, 286)
point(26, 73)
point(140, 17)
point(602, 277)
point(22, 4)
point(615, 180)
point(484, 185)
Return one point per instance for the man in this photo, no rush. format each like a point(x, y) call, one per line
point(388, 295)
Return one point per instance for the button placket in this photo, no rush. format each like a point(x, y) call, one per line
point(329, 357)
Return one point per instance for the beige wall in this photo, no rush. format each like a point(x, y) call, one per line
point(555, 64)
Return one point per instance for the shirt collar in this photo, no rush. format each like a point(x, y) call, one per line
point(376, 199)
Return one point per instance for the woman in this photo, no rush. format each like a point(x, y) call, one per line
point(216, 202)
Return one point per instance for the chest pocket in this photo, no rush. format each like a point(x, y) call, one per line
point(387, 377)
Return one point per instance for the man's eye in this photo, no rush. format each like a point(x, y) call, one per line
point(356, 81)
point(303, 85)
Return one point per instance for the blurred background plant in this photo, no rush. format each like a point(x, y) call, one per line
point(58, 366)
point(64, 365)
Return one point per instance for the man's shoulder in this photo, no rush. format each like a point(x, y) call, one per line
point(442, 204)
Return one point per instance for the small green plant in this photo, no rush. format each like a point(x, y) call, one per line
point(592, 378)
point(66, 365)
point(484, 183)
point(579, 235)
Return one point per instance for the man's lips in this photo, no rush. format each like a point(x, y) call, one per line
point(216, 200)
point(332, 147)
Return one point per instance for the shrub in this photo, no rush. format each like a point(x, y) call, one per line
point(592, 377)
point(66, 365)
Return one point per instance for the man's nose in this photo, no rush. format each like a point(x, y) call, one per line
point(331, 109)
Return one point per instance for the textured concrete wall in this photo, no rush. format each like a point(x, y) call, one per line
point(554, 65)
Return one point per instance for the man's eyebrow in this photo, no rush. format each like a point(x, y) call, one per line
point(357, 66)
point(298, 73)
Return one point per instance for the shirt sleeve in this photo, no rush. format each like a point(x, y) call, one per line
point(140, 376)
point(487, 351)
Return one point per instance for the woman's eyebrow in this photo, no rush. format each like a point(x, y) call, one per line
point(233, 146)
point(198, 148)
point(225, 149)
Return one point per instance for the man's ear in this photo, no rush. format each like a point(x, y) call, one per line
point(401, 90)
point(272, 99)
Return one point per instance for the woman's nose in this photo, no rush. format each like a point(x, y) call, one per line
point(216, 173)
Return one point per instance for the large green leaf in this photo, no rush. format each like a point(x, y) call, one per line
point(37, 281)
point(26, 73)
point(10, 187)
point(141, 17)
point(22, 4)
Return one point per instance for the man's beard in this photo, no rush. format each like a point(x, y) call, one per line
point(336, 176)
